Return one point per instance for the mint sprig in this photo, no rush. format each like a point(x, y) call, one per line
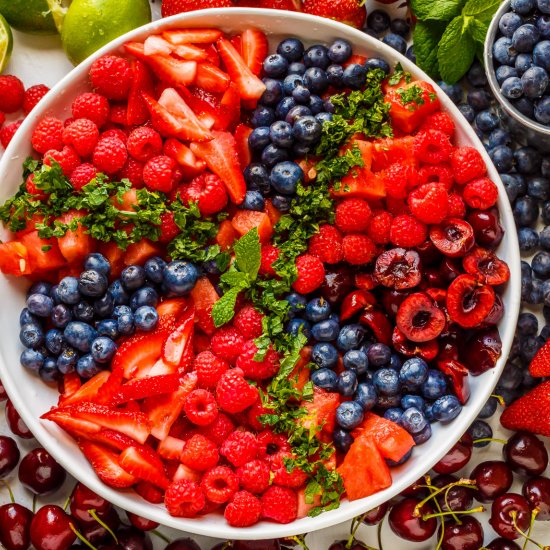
point(449, 34)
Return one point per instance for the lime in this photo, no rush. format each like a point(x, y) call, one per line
point(6, 43)
point(90, 24)
point(32, 16)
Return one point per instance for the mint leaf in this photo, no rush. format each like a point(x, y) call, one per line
point(224, 309)
point(440, 10)
point(248, 253)
point(426, 37)
point(483, 10)
point(479, 30)
point(235, 278)
point(456, 50)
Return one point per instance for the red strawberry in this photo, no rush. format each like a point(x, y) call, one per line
point(70, 384)
point(178, 348)
point(77, 427)
point(248, 84)
point(190, 165)
point(87, 391)
point(254, 49)
point(531, 412)
point(106, 466)
point(140, 388)
point(288, 5)
point(190, 52)
point(142, 82)
point(211, 78)
point(171, 311)
point(194, 36)
point(171, 448)
point(540, 365)
point(171, 7)
point(242, 131)
point(351, 12)
point(230, 109)
point(114, 440)
point(144, 463)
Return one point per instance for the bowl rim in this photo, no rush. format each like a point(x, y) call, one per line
point(492, 32)
point(264, 530)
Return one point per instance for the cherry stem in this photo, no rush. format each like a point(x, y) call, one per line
point(161, 536)
point(379, 533)
point(446, 498)
point(485, 439)
point(300, 540)
point(499, 398)
point(527, 536)
point(34, 503)
point(441, 514)
point(435, 492)
point(440, 541)
point(9, 491)
point(93, 513)
point(66, 503)
point(81, 537)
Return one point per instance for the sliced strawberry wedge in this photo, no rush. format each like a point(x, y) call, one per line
point(65, 419)
point(171, 448)
point(170, 311)
point(109, 438)
point(156, 45)
point(69, 385)
point(106, 466)
point(190, 52)
point(140, 388)
point(174, 349)
point(190, 165)
point(254, 49)
point(193, 36)
point(204, 297)
point(230, 109)
point(144, 463)
point(88, 391)
point(206, 112)
point(222, 158)
point(540, 365)
point(248, 84)
point(142, 82)
point(242, 132)
point(211, 78)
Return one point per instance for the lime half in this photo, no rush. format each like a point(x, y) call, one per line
point(6, 43)
point(31, 16)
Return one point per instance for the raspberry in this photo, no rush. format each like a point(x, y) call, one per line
point(436, 173)
point(352, 215)
point(227, 343)
point(144, 143)
point(311, 274)
point(109, 155)
point(467, 164)
point(243, 510)
point(66, 158)
point(209, 368)
point(257, 370)
point(281, 476)
point(240, 447)
point(457, 208)
point(396, 207)
point(208, 191)
point(83, 135)
point(92, 106)
point(379, 227)
point(158, 173)
point(219, 484)
point(407, 231)
point(201, 408)
point(279, 504)
point(31, 188)
point(32, 96)
point(327, 245)
point(12, 93)
point(248, 321)
point(219, 429)
point(82, 175)
point(358, 249)
point(398, 179)
point(47, 135)
point(253, 414)
point(111, 76)
point(270, 254)
point(118, 114)
point(132, 171)
point(271, 443)
point(168, 228)
point(233, 393)
point(480, 193)
point(440, 121)
point(8, 131)
point(115, 132)
point(149, 492)
point(429, 203)
point(254, 476)
point(432, 146)
point(184, 499)
point(199, 453)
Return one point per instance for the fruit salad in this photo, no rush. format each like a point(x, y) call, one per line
point(259, 278)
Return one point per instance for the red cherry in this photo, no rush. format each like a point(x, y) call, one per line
point(502, 544)
point(51, 529)
point(40, 473)
point(338, 283)
point(502, 511)
point(3, 393)
point(84, 499)
point(15, 423)
point(492, 478)
point(15, 524)
point(486, 226)
point(457, 457)
point(130, 538)
point(453, 237)
point(391, 300)
point(9, 455)
point(343, 545)
point(526, 454)
point(419, 318)
point(482, 351)
point(186, 544)
point(143, 524)
point(469, 301)
point(375, 516)
point(537, 493)
point(482, 262)
point(97, 533)
point(456, 498)
point(427, 350)
point(409, 527)
point(398, 269)
point(468, 535)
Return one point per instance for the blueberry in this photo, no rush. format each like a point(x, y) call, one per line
point(316, 105)
point(480, 430)
point(119, 294)
point(396, 42)
point(291, 49)
point(545, 212)
point(377, 63)
point(273, 155)
point(40, 287)
point(307, 130)
point(339, 51)
point(423, 436)
point(296, 67)
point(435, 385)
point(125, 324)
point(416, 401)
point(329, 106)
point(49, 371)
point(275, 65)
point(317, 56)
point(27, 317)
point(534, 82)
point(103, 307)
point(539, 188)
point(180, 277)
point(297, 304)
point(342, 440)
point(259, 139)
point(527, 160)
point(511, 377)
point(325, 331)
point(323, 117)
point(54, 341)
point(31, 335)
point(536, 296)
point(378, 354)
point(92, 283)
point(525, 106)
point(262, 116)
point(476, 75)
point(347, 383)
point(68, 291)
point(409, 54)
point(54, 294)
point(395, 361)
point(543, 25)
point(281, 202)
point(301, 95)
point(487, 121)
point(525, 38)
point(446, 408)
point(503, 51)
point(499, 137)
point(350, 337)
point(386, 382)
point(97, 262)
point(512, 88)
point(503, 72)
point(291, 81)
point(413, 420)
point(146, 318)
point(84, 311)
point(256, 176)
point(61, 315)
point(285, 177)
point(393, 414)
point(103, 349)
point(413, 373)
point(325, 378)
point(378, 21)
point(273, 92)
point(316, 80)
point(541, 264)
point(335, 75)
point(528, 239)
point(302, 149)
point(503, 158)
point(32, 359)
point(67, 360)
point(317, 310)
point(467, 112)
point(514, 186)
point(283, 108)
point(526, 211)
point(253, 200)
point(479, 99)
point(366, 396)
point(509, 23)
point(356, 360)
point(400, 26)
point(354, 76)
point(489, 408)
point(542, 111)
point(80, 335)
point(325, 355)
point(543, 6)
point(86, 367)
point(40, 305)
point(349, 415)
point(523, 62)
point(544, 238)
point(522, 7)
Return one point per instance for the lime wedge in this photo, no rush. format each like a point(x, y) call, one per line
point(6, 43)
point(31, 16)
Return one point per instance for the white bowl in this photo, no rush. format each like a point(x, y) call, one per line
point(32, 397)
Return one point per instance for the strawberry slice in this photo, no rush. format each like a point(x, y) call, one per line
point(87, 391)
point(191, 53)
point(204, 297)
point(109, 438)
point(248, 84)
point(141, 388)
point(221, 157)
point(211, 78)
point(212, 55)
point(175, 347)
point(132, 424)
point(205, 111)
point(142, 462)
point(69, 385)
point(142, 81)
point(171, 448)
point(242, 132)
point(194, 36)
point(149, 492)
point(163, 410)
point(190, 165)
point(170, 311)
point(230, 109)
point(65, 419)
point(254, 49)
point(156, 45)
point(540, 365)
point(106, 466)
point(184, 472)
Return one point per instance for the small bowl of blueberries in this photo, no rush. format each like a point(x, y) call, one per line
point(517, 61)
